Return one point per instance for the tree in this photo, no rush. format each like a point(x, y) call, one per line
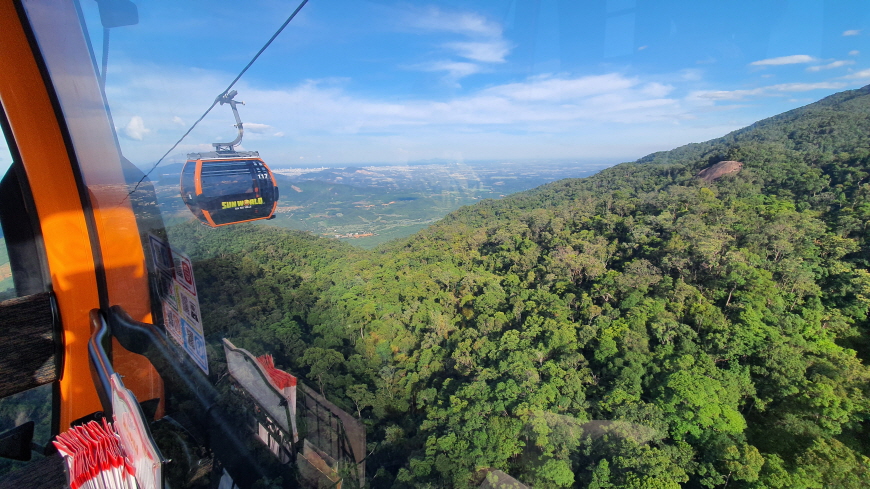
point(320, 362)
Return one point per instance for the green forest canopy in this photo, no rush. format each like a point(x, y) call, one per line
point(639, 328)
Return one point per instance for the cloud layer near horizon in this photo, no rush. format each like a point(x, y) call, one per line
point(603, 115)
point(545, 104)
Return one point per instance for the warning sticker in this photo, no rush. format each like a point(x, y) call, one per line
point(176, 287)
point(194, 345)
point(190, 308)
point(164, 270)
point(166, 288)
point(173, 323)
point(161, 255)
point(184, 271)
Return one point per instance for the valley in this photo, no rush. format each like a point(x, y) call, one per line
point(369, 205)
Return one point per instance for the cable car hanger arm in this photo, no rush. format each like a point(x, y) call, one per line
point(227, 98)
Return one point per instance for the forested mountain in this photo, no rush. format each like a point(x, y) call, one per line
point(639, 328)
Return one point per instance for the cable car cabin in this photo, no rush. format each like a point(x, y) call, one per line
point(228, 188)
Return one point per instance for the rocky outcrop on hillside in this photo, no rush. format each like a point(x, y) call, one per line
point(716, 171)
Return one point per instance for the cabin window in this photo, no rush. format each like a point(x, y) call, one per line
point(29, 357)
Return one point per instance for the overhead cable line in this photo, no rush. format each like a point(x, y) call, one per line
point(221, 95)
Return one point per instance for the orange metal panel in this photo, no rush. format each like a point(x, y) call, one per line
point(197, 178)
point(275, 184)
point(41, 145)
point(65, 50)
point(208, 216)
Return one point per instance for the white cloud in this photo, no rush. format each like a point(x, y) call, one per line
point(806, 87)
point(657, 89)
point(554, 115)
point(483, 43)
point(551, 89)
point(539, 100)
point(725, 94)
point(859, 75)
point(325, 114)
point(455, 69)
point(769, 90)
point(256, 128)
point(853, 32)
point(493, 51)
point(835, 64)
point(784, 60)
point(135, 129)
point(691, 74)
point(468, 23)
point(854, 52)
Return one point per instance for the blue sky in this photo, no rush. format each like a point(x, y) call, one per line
point(392, 82)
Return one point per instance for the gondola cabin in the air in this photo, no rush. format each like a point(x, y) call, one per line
point(226, 186)
point(223, 189)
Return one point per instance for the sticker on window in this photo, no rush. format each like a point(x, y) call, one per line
point(177, 289)
point(184, 271)
point(190, 308)
point(173, 323)
point(194, 345)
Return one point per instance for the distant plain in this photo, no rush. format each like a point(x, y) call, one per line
point(369, 205)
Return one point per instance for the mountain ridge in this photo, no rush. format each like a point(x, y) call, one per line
point(726, 321)
point(684, 162)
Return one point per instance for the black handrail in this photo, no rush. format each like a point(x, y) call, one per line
point(98, 360)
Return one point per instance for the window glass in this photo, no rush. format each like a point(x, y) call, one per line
point(33, 405)
point(5, 157)
point(7, 286)
point(188, 189)
point(697, 317)
point(227, 178)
